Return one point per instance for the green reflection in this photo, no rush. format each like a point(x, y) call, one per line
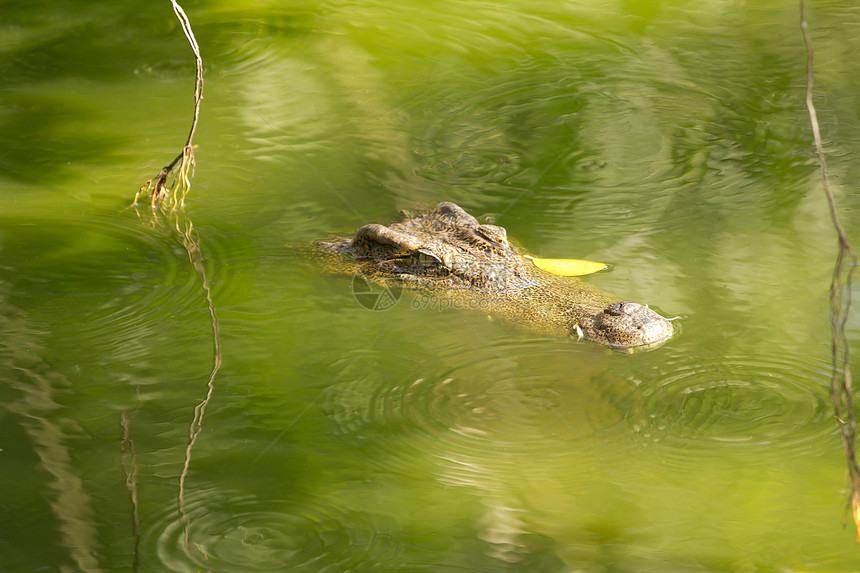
point(666, 138)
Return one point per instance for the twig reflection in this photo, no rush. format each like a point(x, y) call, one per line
point(840, 301)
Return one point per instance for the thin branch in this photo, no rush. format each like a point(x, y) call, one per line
point(158, 188)
point(164, 195)
point(840, 301)
point(198, 86)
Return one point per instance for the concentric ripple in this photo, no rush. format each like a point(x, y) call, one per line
point(113, 277)
point(88, 258)
point(735, 402)
point(494, 403)
point(224, 532)
point(469, 150)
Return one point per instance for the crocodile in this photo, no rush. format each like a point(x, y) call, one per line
point(448, 253)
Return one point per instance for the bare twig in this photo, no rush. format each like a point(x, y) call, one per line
point(172, 195)
point(840, 301)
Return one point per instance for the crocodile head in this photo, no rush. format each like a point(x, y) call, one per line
point(445, 246)
point(448, 250)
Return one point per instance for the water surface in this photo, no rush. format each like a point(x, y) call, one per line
point(669, 139)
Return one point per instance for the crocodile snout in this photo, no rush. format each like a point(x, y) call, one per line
point(630, 324)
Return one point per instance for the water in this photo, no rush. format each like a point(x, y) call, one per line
point(668, 140)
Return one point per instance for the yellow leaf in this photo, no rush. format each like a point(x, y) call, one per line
point(568, 267)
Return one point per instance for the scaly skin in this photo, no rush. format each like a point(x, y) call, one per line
point(448, 253)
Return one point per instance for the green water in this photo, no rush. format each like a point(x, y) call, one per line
point(667, 138)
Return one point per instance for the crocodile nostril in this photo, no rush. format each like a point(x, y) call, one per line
point(622, 308)
point(614, 309)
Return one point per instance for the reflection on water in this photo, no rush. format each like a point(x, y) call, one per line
point(35, 408)
point(667, 140)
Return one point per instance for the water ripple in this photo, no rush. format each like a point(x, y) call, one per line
point(463, 150)
point(735, 402)
point(491, 404)
point(117, 256)
point(116, 279)
point(238, 532)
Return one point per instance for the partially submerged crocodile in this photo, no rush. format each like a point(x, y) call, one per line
point(448, 253)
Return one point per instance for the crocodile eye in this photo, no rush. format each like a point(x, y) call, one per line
point(427, 259)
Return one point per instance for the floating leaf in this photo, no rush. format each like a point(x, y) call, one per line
point(568, 267)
